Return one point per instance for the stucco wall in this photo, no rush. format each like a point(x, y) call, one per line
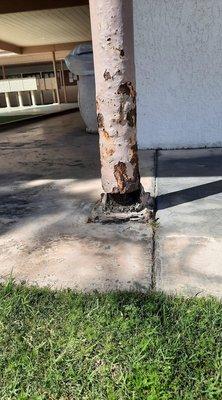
point(178, 51)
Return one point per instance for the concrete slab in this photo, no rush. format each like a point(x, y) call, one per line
point(49, 181)
point(189, 238)
point(43, 109)
point(28, 113)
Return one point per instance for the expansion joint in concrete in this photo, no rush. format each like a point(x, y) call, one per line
point(154, 223)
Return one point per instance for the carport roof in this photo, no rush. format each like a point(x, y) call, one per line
point(30, 36)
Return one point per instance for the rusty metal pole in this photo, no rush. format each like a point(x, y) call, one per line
point(113, 48)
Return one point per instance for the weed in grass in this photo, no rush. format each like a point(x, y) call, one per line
point(154, 224)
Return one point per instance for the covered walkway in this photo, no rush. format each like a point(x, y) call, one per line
point(49, 182)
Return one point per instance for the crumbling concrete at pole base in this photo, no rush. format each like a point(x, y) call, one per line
point(114, 208)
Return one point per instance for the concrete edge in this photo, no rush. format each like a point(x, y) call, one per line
point(28, 120)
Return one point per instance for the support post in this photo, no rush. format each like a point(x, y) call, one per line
point(33, 98)
point(3, 72)
point(41, 92)
point(54, 96)
point(7, 98)
point(112, 36)
point(63, 81)
point(20, 99)
point(41, 97)
point(56, 78)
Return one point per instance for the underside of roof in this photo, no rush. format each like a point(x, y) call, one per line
point(34, 28)
point(32, 35)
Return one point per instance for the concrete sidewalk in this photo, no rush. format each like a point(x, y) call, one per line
point(49, 182)
point(44, 109)
point(188, 241)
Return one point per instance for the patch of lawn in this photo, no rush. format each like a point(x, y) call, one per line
point(10, 118)
point(67, 346)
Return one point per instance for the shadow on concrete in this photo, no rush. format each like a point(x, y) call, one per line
point(49, 182)
point(47, 168)
point(189, 163)
point(187, 195)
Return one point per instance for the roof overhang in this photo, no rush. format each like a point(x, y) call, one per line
point(32, 36)
point(10, 47)
point(27, 5)
point(37, 54)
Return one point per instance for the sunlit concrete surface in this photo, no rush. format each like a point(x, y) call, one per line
point(188, 240)
point(38, 110)
point(49, 182)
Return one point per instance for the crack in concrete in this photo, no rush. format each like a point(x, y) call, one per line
point(154, 227)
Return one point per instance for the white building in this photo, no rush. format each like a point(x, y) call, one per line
point(178, 57)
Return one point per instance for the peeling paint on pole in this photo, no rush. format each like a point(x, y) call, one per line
point(112, 34)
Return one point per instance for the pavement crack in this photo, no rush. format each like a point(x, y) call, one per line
point(154, 224)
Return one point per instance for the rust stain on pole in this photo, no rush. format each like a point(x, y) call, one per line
point(112, 34)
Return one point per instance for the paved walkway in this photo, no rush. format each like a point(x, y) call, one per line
point(49, 181)
point(35, 111)
point(189, 237)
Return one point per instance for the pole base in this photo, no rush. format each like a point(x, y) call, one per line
point(113, 208)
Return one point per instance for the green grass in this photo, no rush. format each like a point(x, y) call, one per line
point(10, 118)
point(67, 346)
